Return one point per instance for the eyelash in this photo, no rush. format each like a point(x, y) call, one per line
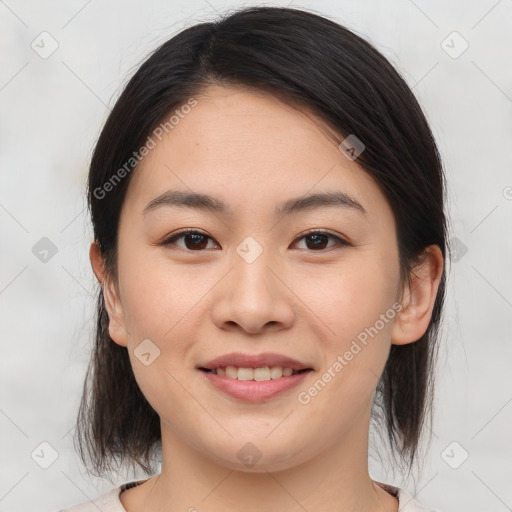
point(342, 242)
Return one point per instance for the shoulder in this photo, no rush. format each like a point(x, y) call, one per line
point(406, 503)
point(110, 502)
point(107, 502)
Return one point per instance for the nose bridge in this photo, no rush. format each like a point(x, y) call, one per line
point(251, 272)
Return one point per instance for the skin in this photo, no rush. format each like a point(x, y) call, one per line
point(253, 151)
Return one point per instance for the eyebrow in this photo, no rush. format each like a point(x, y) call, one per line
point(178, 198)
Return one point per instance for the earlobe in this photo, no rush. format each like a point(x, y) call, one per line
point(418, 298)
point(116, 325)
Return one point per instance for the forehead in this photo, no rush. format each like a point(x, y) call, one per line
point(250, 145)
point(230, 122)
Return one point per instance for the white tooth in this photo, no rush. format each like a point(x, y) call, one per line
point(262, 373)
point(245, 373)
point(231, 372)
point(276, 372)
point(258, 374)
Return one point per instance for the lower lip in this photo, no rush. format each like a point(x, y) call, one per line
point(254, 391)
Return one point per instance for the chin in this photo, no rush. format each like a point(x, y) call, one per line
point(259, 456)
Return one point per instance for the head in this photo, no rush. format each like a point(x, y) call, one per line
point(257, 110)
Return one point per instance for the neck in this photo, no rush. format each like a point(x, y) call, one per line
point(336, 479)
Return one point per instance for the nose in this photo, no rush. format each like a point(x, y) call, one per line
point(253, 297)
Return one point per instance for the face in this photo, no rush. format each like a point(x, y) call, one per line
point(253, 280)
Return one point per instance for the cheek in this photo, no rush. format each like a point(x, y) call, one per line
point(158, 299)
point(158, 305)
point(355, 307)
point(355, 346)
point(352, 299)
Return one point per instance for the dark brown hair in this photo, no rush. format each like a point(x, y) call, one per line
point(316, 64)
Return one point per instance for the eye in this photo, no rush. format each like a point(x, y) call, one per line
point(318, 240)
point(194, 240)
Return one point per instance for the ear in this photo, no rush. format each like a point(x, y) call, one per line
point(116, 325)
point(418, 298)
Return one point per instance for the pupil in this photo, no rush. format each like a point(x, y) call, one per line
point(197, 238)
point(316, 237)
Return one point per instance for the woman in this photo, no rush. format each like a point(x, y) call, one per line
point(269, 236)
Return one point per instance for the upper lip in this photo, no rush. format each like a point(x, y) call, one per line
point(241, 360)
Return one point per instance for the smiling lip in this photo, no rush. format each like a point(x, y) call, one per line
point(241, 360)
point(252, 390)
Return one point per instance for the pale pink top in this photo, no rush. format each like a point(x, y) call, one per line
point(110, 502)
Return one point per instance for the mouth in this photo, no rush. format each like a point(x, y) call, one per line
point(260, 374)
point(254, 384)
point(254, 378)
point(258, 367)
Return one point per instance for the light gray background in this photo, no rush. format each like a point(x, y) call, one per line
point(52, 112)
